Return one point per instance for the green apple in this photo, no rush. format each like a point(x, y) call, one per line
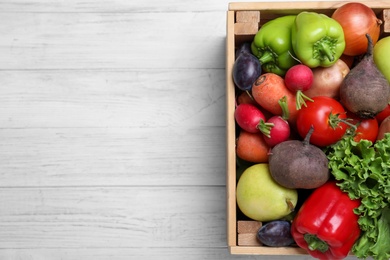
point(260, 198)
point(381, 56)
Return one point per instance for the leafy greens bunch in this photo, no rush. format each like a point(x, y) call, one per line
point(362, 169)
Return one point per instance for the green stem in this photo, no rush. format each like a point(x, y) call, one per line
point(314, 243)
point(334, 120)
point(265, 128)
point(325, 48)
point(267, 56)
point(283, 104)
point(327, 51)
point(370, 45)
point(306, 141)
point(300, 99)
point(250, 95)
point(290, 205)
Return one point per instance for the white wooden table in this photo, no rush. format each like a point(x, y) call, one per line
point(112, 130)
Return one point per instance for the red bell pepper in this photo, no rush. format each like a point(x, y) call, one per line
point(326, 225)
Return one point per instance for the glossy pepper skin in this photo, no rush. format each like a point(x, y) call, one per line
point(317, 39)
point(272, 45)
point(326, 225)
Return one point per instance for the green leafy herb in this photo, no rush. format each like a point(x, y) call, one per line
point(363, 171)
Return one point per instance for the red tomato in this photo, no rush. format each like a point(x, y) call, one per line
point(325, 115)
point(366, 128)
point(383, 114)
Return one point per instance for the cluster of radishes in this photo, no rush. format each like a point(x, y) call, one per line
point(276, 129)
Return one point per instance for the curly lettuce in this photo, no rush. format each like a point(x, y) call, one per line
point(362, 169)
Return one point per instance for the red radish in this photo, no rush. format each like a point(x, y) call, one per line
point(248, 117)
point(277, 128)
point(297, 79)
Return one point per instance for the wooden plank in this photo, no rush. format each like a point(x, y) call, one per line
point(248, 226)
point(271, 251)
point(171, 253)
point(246, 29)
point(64, 125)
point(112, 156)
point(386, 21)
point(118, 6)
point(112, 40)
point(248, 17)
point(247, 233)
point(267, 7)
point(230, 134)
point(107, 217)
point(113, 98)
point(247, 239)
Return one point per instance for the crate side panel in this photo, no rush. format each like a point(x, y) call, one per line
point(230, 134)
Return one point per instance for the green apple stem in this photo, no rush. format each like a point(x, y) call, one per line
point(290, 205)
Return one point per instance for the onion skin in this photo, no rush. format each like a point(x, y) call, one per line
point(357, 19)
point(349, 60)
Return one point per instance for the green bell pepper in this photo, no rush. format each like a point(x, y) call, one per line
point(272, 45)
point(317, 39)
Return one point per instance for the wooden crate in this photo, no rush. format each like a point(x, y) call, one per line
point(243, 21)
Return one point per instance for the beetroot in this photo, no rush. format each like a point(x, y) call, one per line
point(365, 90)
point(298, 164)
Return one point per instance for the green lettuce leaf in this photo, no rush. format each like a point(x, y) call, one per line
point(362, 170)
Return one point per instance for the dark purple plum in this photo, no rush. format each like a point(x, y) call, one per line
point(275, 233)
point(246, 70)
point(245, 47)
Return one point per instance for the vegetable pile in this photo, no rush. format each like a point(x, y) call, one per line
point(313, 118)
point(363, 171)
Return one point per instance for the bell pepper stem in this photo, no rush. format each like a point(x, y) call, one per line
point(327, 51)
point(324, 48)
point(314, 243)
point(267, 56)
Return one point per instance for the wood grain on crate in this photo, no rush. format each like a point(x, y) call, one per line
point(246, 24)
point(230, 134)
point(386, 21)
point(247, 232)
